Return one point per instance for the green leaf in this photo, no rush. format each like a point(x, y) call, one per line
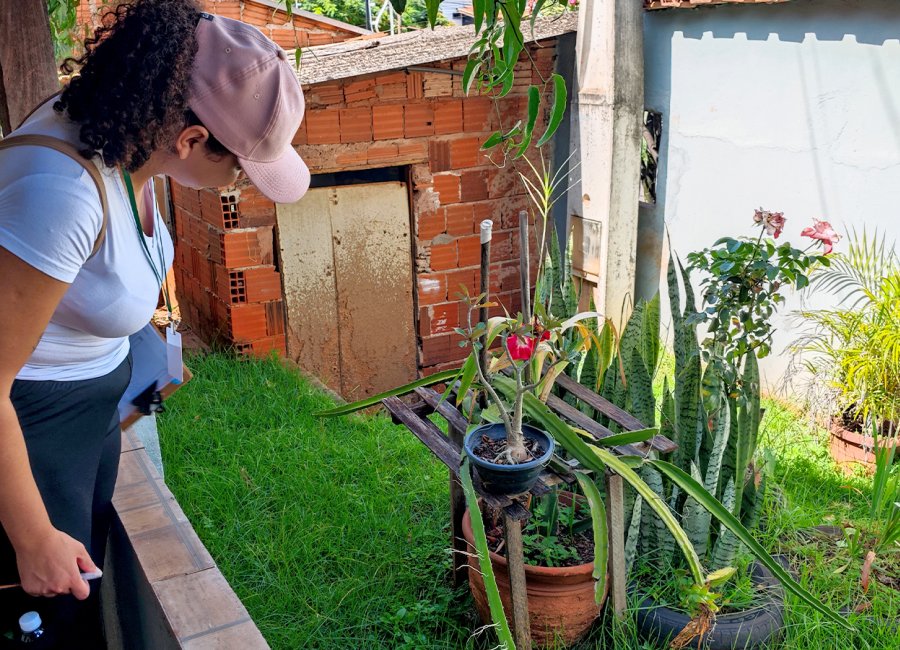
point(627, 438)
point(598, 459)
point(344, 409)
point(484, 559)
point(534, 103)
point(478, 16)
point(721, 431)
point(470, 74)
point(655, 537)
point(674, 293)
point(558, 109)
point(720, 576)
point(606, 347)
point(495, 138)
point(535, 11)
point(432, 7)
point(650, 334)
point(749, 418)
point(468, 376)
point(601, 536)
point(400, 5)
point(643, 403)
point(696, 491)
point(726, 546)
point(696, 519)
point(634, 533)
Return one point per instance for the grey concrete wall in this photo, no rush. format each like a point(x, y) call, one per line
point(792, 107)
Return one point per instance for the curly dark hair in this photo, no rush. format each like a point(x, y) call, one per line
point(130, 96)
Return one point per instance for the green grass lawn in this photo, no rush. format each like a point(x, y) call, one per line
point(334, 533)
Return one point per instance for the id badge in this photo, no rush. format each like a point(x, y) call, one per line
point(174, 355)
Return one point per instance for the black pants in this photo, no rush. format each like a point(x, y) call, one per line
point(72, 433)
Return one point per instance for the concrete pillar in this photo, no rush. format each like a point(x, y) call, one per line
point(610, 69)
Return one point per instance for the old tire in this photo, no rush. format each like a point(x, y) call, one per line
point(759, 627)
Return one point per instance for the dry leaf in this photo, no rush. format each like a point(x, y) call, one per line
point(863, 607)
point(867, 570)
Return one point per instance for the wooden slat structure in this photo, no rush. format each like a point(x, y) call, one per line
point(447, 448)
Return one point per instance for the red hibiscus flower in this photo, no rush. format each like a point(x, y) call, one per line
point(822, 231)
point(521, 348)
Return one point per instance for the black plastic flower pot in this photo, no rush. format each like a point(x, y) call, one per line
point(760, 627)
point(508, 479)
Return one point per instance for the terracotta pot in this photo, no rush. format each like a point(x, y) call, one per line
point(849, 448)
point(560, 600)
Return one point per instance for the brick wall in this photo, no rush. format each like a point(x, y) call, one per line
point(228, 287)
point(289, 34)
point(421, 120)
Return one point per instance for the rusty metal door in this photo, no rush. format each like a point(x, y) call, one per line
point(347, 268)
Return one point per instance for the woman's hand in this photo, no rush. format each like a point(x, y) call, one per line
point(52, 565)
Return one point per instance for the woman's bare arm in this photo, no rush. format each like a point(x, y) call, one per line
point(48, 560)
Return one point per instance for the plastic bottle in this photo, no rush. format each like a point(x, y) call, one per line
point(31, 626)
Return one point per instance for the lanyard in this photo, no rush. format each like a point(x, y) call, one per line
point(159, 274)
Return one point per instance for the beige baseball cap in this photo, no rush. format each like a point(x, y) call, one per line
point(245, 92)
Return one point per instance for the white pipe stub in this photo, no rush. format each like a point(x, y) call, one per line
point(487, 227)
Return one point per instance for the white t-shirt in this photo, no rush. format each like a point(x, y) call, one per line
point(50, 216)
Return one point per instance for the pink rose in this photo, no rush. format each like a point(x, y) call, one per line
point(773, 222)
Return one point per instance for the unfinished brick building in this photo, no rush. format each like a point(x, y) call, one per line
point(301, 29)
point(357, 282)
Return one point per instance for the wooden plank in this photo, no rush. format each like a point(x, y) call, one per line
point(426, 431)
point(27, 70)
point(421, 408)
point(443, 448)
point(515, 556)
point(615, 521)
point(582, 421)
point(457, 501)
point(445, 409)
point(619, 416)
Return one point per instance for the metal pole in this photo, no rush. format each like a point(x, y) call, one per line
point(369, 15)
point(525, 278)
point(524, 265)
point(486, 232)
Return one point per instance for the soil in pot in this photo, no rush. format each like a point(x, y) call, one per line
point(752, 616)
point(561, 603)
point(492, 450)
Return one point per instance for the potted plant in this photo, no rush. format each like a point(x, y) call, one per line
point(713, 413)
point(508, 454)
point(855, 347)
point(563, 596)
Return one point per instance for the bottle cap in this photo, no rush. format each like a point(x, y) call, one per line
point(29, 621)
